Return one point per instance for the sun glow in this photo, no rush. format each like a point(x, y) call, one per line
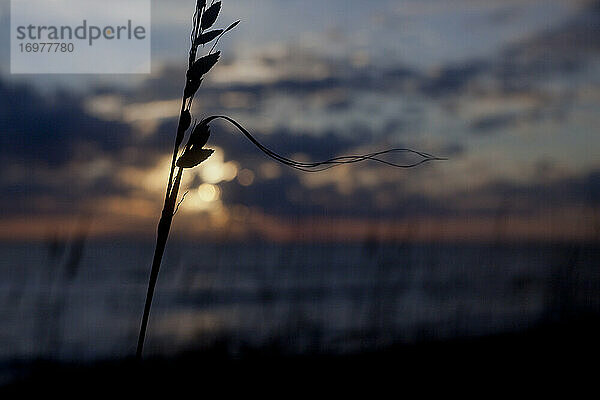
point(201, 184)
point(216, 170)
point(151, 180)
point(208, 193)
point(204, 198)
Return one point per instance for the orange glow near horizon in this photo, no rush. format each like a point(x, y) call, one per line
point(215, 221)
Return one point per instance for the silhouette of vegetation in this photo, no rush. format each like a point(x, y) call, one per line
point(535, 353)
point(205, 16)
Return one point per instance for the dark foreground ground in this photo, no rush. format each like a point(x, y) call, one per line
point(551, 355)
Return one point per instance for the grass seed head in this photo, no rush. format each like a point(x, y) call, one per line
point(210, 15)
point(193, 157)
point(191, 87)
point(202, 65)
point(208, 37)
point(200, 135)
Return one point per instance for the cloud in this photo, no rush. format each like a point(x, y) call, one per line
point(104, 151)
point(51, 130)
point(567, 48)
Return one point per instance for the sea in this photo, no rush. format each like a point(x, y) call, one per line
point(80, 301)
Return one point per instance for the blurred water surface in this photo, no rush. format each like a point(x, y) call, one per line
point(303, 298)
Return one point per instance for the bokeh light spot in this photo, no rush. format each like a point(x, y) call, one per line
point(246, 177)
point(208, 192)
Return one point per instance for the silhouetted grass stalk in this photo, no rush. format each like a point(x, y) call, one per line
point(193, 154)
point(164, 225)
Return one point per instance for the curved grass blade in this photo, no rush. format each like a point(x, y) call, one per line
point(230, 27)
point(332, 162)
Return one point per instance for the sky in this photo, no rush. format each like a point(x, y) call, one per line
point(507, 91)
